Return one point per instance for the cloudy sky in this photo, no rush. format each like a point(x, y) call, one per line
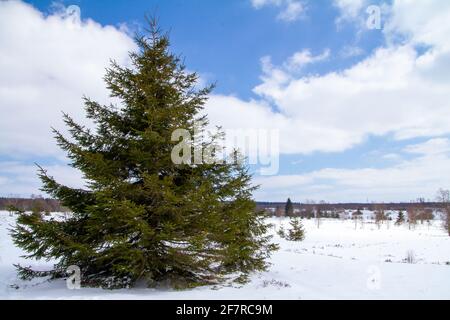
point(363, 113)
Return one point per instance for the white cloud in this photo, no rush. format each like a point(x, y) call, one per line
point(421, 22)
point(47, 64)
point(361, 13)
point(21, 179)
point(392, 157)
point(350, 9)
point(257, 4)
point(351, 51)
point(296, 136)
point(291, 10)
point(405, 181)
point(390, 92)
point(3, 181)
point(431, 147)
point(305, 57)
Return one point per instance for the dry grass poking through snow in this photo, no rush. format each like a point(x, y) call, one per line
point(336, 261)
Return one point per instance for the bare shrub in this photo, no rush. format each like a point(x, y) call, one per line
point(412, 217)
point(380, 215)
point(443, 196)
point(279, 212)
point(410, 257)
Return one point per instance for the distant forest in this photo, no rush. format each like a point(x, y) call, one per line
point(51, 205)
point(351, 206)
point(38, 203)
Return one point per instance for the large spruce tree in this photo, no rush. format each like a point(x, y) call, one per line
point(142, 217)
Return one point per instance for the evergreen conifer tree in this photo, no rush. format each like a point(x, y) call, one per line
point(400, 218)
point(296, 232)
point(289, 208)
point(281, 232)
point(141, 217)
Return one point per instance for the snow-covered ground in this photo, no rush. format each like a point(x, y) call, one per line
point(336, 261)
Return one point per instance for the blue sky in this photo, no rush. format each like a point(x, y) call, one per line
point(224, 40)
point(347, 104)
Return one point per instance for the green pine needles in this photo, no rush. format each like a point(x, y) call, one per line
point(142, 217)
point(297, 231)
point(400, 218)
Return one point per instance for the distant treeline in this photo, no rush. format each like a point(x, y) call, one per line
point(52, 205)
point(351, 206)
point(41, 204)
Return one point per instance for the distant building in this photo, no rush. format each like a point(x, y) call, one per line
point(344, 214)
